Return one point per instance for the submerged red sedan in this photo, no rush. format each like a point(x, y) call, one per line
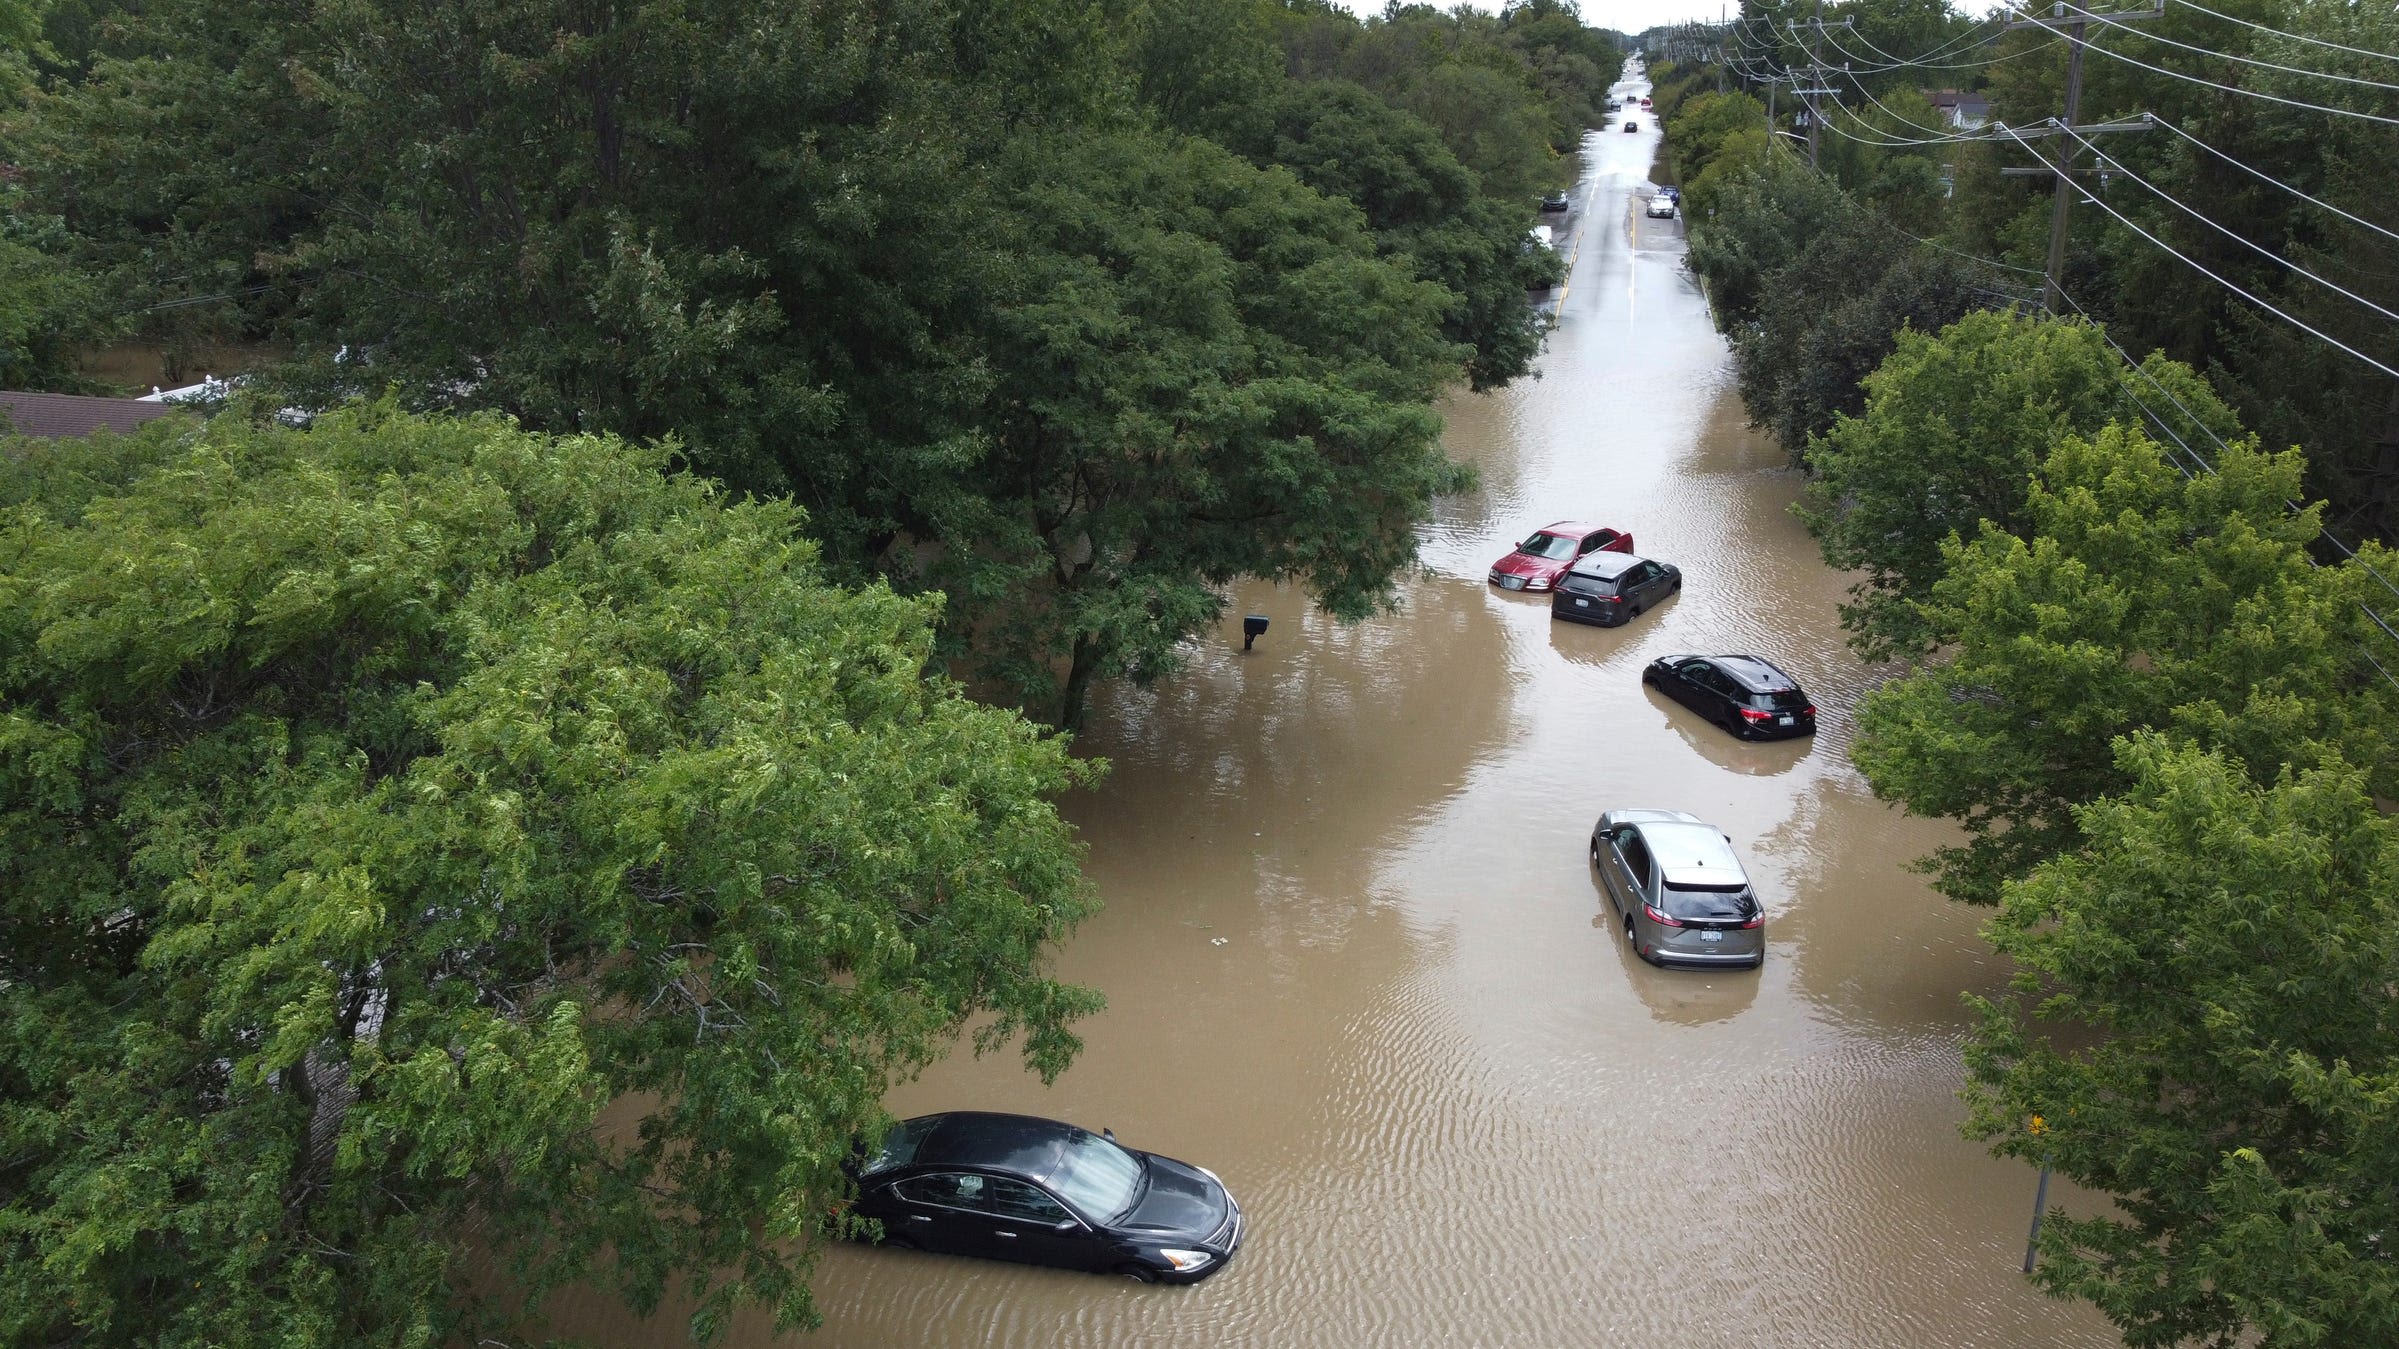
point(1539, 561)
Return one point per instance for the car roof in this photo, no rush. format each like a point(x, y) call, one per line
point(1604, 565)
point(1755, 673)
point(1645, 815)
point(1023, 1145)
point(1691, 853)
point(1577, 528)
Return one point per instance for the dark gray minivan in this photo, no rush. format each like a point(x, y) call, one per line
point(1678, 888)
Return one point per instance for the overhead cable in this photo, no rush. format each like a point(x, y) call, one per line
point(2236, 89)
point(2299, 323)
point(2227, 56)
point(2267, 177)
point(2295, 37)
point(2226, 231)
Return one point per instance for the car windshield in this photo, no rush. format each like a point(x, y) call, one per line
point(1097, 1176)
point(899, 1146)
point(1693, 901)
point(1547, 546)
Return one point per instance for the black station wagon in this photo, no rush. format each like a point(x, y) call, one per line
point(1746, 695)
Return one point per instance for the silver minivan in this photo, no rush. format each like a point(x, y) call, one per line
point(1678, 888)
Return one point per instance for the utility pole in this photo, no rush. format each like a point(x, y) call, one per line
point(2063, 164)
point(1816, 74)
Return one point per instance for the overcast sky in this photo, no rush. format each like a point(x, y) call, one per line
point(1625, 16)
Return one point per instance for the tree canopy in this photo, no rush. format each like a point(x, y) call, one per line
point(2205, 1031)
point(1956, 422)
point(2138, 597)
point(380, 803)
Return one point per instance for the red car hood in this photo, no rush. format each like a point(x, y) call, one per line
point(1528, 567)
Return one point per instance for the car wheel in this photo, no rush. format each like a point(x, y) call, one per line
point(901, 1244)
point(1138, 1273)
point(1595, 852)
point(1678, 584)
point(1635, 612)
point(1633, 938)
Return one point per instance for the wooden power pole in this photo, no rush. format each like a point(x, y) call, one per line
point(2062, 164)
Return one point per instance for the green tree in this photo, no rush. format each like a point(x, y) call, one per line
point(1426, 210)
point(1203, 373)
point(2206, 1031)
point(1955, 424)
point(48, 309)
point(381, 802)
point(1759, 223)
point(1834, 315)
point(2140, 597)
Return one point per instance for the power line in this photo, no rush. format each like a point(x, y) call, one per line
point(2101, 203)
point(2247, 93)
point(2154, 416)
point(2295, 37)
point(2236, 237)
point(2267, 177)
point(2228, 56)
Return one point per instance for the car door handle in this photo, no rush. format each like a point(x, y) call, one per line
point(920, 1217)
point(1005, 1236)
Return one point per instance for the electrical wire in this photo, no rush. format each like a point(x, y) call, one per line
point(2236, 89)
point(2301, 324)
point(2227, 232)
point(2326, 534)
point(1970, 37)
point(2269, 178)
point(2228, 56)
point(2295, 37)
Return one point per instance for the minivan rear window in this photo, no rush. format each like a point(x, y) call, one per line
point(1692, 901)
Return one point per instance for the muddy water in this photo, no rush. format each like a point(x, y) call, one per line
point(1357, 963)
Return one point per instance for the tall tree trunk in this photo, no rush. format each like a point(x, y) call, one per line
point(1072, 705)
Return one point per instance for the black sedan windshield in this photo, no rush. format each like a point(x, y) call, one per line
point(1098, 1177)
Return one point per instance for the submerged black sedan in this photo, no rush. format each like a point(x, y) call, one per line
point(1015, 1187)
point(1747, 695)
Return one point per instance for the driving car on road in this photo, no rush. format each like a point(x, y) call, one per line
point(1661, 208)
point(1538, 562)
point(1554, 201)
point(1747, 695)
point(1678, 888)
point(1609, 588)
point(1631, 125)
point(1042, 1192)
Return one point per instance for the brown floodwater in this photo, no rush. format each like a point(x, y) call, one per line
point(1357, 963)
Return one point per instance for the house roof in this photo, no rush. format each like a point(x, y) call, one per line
point(55, 416)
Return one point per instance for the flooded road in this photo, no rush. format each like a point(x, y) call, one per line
point(1357, 963)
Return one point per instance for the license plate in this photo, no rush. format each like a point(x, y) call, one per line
point(1710, 934)
point(1582, 604)
point(1511, 583)
point(1783, 721)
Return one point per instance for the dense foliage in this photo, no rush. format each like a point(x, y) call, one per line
point(2222, 1053)
point(2135, 597)
point(1955, 423)
point(2245, 234)
point(382, 803)
point(810, 243)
